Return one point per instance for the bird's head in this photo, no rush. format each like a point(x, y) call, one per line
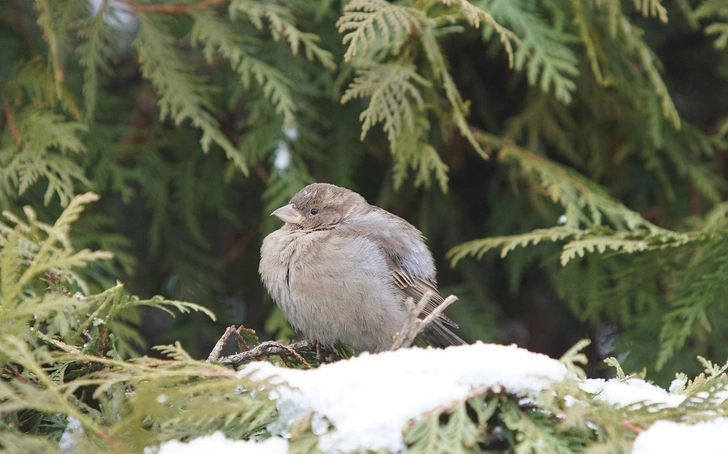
point(321, 206)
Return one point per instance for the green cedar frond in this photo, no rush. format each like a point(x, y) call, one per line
point(697, 303)
point(414, 152)
point(370, 24)
point(95, 54)
point(282, 26)
point(584, 201)
point(478, 248)
point(535, 436)
point(218, 35)
point(718, 10)
point(38, 391)
point(636, 45)
point(34, 80)
point(475, 15)
point(111, 302)
point(54, 36)
point(47, 140)
point(26, 255)
point(459, 434)
point(183, 95)
point(584, 204)
point(394, 97)
point(594, 54)
point(544, 52)
point(651, 8)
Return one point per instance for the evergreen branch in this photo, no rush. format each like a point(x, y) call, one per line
point(646, 58)
point(112, 302)
point(544, 50)
point(478, 248)
point(24, 256)
point(393, 96)
point(96, 51)
point(475, 15)
point(217, 35)
point(364, 21)
point(282, 25)
point(47, 21)
point(585, 34)
point(651, 8)
point(584, 203)
point(47, 138)
point(43, 395)
point(183, 95)
point(32, 79)
point(718, 10)
point(583, 200)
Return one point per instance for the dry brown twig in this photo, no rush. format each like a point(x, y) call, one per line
point(269, 348)
point(220, 344)
point(414, 325)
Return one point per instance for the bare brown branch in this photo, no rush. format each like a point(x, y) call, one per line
point(414, 325)
point(173, 9)
point(270, 348)
point(220, 344)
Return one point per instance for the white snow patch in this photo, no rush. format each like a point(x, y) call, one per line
point(671, 437)
point(283, 156)
point(73, 429)
point(630, 391)
point(218, 444)
point(369, 399)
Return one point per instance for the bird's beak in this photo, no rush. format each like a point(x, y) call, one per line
point(288, 214)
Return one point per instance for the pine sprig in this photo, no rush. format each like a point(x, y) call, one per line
point(394, 96)
point(651, 8)
point(96, 52)
point(647, 59)
point(369, 24)
point(183, 95)
point(31, 249)
point(475, 15)
point(282, 26)
point(545, 51)
point(718, 11)
point(593, 221)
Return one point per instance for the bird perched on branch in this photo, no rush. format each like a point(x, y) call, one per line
point(341, 270)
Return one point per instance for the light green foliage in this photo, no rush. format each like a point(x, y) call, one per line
point(605, 138)
point(717, 12)
point(55, 343)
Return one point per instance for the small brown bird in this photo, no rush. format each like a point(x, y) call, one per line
point(341, 269)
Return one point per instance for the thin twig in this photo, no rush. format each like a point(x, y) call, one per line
point(10, 119)
point(217, 350)
point(173, 9)
point(414, 325)
point(242, 343)
point(627, 424)
point(269, 348)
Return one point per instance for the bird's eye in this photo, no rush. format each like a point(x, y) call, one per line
point(314, 211)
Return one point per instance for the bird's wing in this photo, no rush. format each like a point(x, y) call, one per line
point(410, 262)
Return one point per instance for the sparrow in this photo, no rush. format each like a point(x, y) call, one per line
point(340, 270)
